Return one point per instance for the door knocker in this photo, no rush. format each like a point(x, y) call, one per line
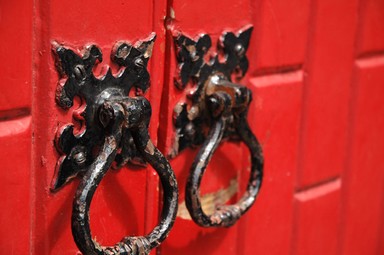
point(217, 110)
point(116, 132)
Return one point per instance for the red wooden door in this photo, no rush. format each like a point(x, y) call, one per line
point(38, 221)
point(317, 76)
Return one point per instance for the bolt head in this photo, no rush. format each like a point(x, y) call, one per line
point(139, 62)
point(79, 72)
point(239, 49)
point(80, 158)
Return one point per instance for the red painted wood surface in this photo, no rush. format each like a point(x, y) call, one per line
point(15, 126)
point(126, 201)
point(275, 118)
point(186, 237)
point(317, 75)
point(363, 190)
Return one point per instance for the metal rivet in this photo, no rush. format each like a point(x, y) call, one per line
point(239, 48)
point(80, 158)
point(79, 72)
point(123, 52)
point(139, 62)
point(190, 130)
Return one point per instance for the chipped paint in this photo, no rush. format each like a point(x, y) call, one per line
point(172, 13)
point(150, 148)
point(211, 200)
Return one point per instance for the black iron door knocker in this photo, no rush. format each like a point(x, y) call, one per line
point(116, 132)
point(219, 106)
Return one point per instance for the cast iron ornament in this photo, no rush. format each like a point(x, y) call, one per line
point(115, 132)
point(215, 110)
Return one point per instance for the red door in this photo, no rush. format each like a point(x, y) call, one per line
point(316, 72)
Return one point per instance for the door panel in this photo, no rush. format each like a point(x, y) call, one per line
point(280, 36)
point(275, 117)
point(15, 52)
point(362, 222)
point(327, 86)
point(316, 73)
point(15, 151)
point(365, 177)
point(317, 219)
point(126, 202)
point(15, 126)
point(222, 174)
point(370, 39)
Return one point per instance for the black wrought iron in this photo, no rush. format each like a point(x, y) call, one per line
point(116, 132)
point(217, 110)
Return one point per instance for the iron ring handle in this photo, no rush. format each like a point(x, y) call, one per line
point(86, 189)
point(225, 215)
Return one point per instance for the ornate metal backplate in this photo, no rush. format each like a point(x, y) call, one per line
point(77, 79)
point(192, 119)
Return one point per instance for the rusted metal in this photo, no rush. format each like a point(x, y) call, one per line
point(209, 200)
point(217, 111)
point(116, 132)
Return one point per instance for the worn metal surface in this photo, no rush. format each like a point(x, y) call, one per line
point(217, 110)
point(77, 79)
point(192, 119)
point(116, 132)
